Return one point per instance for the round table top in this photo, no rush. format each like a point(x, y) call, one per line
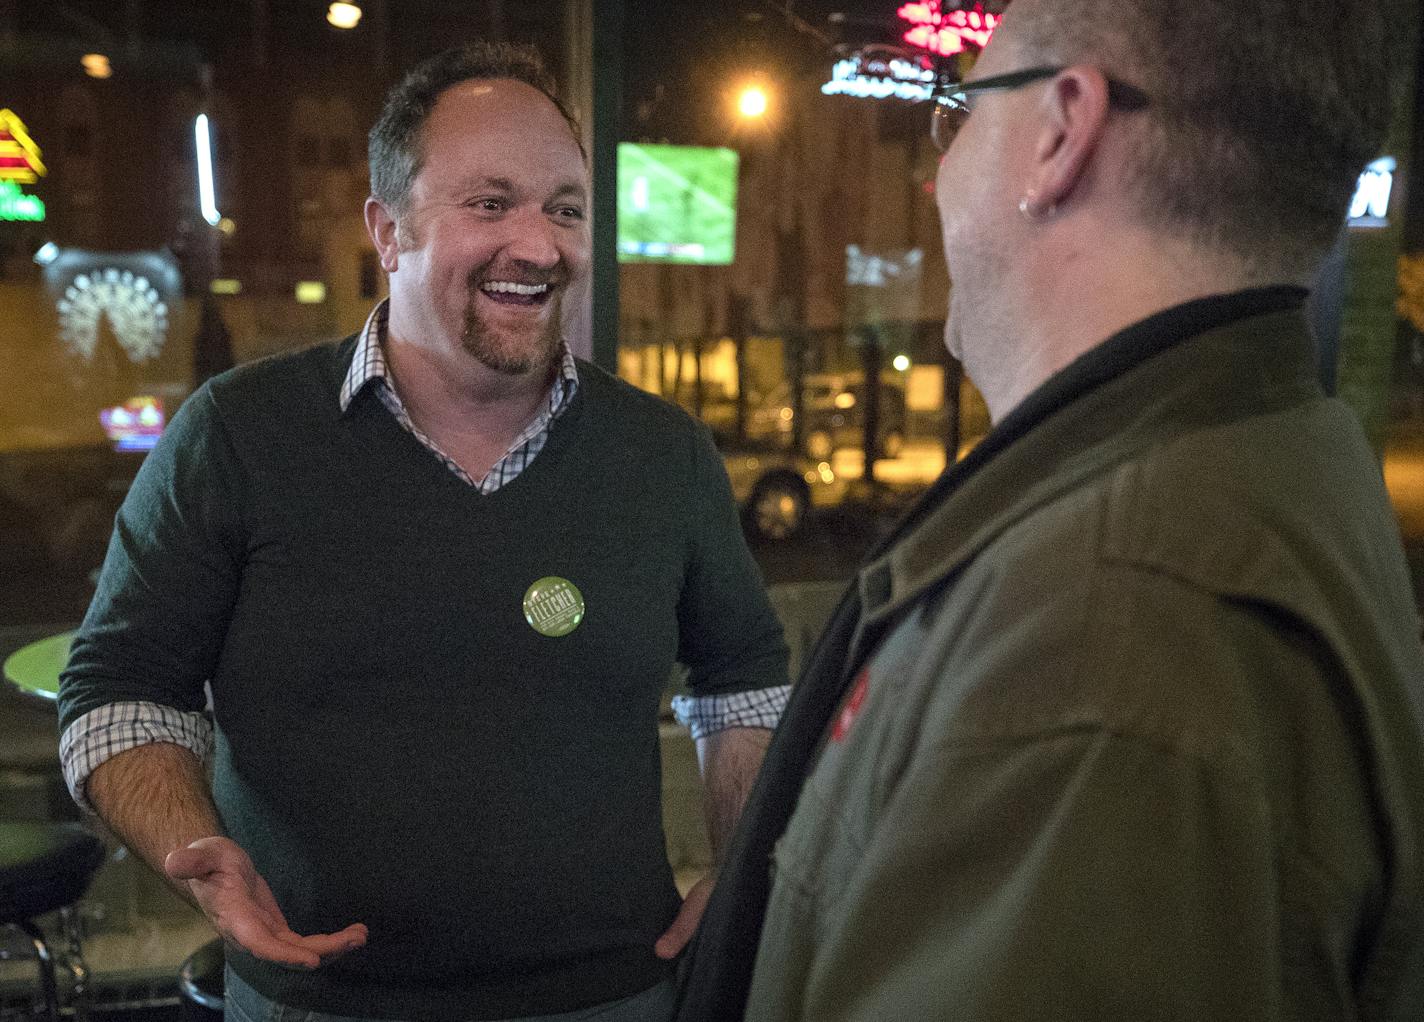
point(34, 669)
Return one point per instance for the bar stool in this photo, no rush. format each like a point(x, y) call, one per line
point(44, 867)
point(201, 981)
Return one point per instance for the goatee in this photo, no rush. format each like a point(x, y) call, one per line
point(515, 356)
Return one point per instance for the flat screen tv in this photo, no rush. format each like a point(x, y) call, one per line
point(676, 204)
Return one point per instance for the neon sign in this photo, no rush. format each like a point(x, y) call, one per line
point(1370, 206)
point(869, 269)
point(134, 425)
point(207, 192)
point(19, 156)
point(879, 77)
point(16, 205)
point(20, 164)
point(134, 308)
point(108, 300)
point(947, 32)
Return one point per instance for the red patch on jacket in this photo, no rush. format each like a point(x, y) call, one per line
point(851, 709)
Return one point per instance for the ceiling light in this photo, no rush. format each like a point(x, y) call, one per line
point(96, 65)
point(343, 15)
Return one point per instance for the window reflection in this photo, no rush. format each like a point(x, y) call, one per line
point(823, 274)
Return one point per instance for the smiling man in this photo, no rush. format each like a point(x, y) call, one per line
point(437, 575)
point(1126, 719)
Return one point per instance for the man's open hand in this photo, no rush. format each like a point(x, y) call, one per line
point(240, 906)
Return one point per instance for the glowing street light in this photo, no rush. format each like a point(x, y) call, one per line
point(752, 102)
point(343, 15)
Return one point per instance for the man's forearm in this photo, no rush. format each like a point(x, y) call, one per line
point(729, 760)
point(156, 799)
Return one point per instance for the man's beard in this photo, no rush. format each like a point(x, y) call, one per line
point(500, 353)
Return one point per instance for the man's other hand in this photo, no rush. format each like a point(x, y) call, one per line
point(240, 906)
point(671, 943)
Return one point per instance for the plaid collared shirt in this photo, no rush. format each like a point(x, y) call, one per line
point(370, 369)
point(103, 733)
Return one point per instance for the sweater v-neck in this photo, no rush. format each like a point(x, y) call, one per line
point(562, 432)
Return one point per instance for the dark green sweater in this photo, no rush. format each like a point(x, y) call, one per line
point(395, 744)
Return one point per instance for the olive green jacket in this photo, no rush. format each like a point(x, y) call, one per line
point(1140, 733)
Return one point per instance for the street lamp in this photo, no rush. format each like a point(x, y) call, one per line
point(752, 102)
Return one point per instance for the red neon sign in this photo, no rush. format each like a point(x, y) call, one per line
point(948, 32)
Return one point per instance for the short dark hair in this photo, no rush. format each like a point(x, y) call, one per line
point(395, 147)
point(1262, 112)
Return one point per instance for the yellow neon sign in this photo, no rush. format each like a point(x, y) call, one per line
point(19, 156)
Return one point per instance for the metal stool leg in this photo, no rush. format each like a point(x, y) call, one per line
point(44, 961)
point(74, 960)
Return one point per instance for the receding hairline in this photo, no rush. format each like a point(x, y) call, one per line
point(418, 139)
point(395, 145)
point(488, 85)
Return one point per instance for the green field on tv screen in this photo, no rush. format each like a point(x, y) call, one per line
point(676, 204)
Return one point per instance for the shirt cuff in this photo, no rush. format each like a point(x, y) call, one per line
point(102, 734)
point(706, 715)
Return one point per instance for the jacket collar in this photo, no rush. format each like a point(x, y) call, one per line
point(1210, 360)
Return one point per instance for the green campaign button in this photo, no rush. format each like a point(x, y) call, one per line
point(553, 606)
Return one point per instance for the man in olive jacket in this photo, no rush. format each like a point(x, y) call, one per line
point(1126, 721)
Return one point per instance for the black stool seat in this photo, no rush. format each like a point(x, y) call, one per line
point(44, 867)
point(201, 981)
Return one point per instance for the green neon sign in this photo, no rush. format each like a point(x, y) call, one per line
point(16, 205)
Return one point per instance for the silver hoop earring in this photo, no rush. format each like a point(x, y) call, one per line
point(1032, 215)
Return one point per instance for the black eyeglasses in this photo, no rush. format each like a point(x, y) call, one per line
point(952, 103)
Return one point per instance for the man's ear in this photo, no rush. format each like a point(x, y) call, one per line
point(1076, 105)
point(381, 226)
